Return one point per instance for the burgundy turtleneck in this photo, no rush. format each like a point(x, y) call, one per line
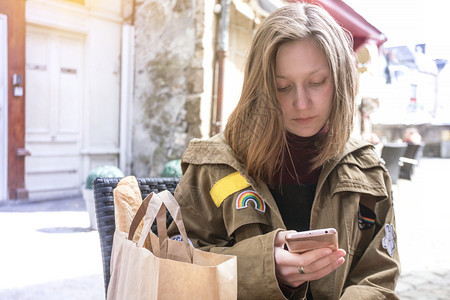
point(302, 150)
point(295, 195)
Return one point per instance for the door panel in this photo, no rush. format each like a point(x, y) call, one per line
point(53, 112)
point(37, 117)
point(70, 93)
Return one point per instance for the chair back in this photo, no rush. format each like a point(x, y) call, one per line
point(391, 154)
point(104, 211)
point(413, 151)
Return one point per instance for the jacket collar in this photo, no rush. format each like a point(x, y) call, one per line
point(351, 146)
point(211, 151)
point(215, 150)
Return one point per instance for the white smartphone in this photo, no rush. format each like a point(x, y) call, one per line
point(300, 242)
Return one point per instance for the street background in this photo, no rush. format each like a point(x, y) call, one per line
point(423, 225)
point(48, 251)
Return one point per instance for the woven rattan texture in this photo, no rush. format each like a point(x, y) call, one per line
point(104, 211)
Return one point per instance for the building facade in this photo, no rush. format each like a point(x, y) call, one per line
point(68, 88)
point(121, 82)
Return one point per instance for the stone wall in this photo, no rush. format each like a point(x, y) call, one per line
point(168, 81)
point(176, 74)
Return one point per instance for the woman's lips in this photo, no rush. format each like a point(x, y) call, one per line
point(303, 120)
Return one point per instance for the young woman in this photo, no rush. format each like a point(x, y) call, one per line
point(286, 162)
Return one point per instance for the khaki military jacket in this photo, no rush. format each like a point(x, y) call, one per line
point(226, 211)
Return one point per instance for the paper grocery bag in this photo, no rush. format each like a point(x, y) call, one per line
point(170, 269)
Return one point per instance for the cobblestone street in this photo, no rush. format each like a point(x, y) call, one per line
point(423, 225)
point(49, 253)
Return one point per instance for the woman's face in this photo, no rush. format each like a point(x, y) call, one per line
point(305, 86)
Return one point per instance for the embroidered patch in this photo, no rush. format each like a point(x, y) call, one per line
point(366, 217)
point(227, 186)
point(388, 241)
point(179, 238)
point(250, 196)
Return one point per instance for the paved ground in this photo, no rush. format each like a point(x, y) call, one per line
point(422, 209)
point(48, 252)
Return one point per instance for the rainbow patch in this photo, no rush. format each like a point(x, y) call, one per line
point(250, 196)
point(368, 220)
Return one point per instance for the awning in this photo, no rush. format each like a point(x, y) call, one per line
point(361, 30)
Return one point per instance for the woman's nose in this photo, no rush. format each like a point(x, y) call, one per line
point(301, 100)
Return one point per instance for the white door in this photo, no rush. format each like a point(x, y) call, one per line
point(54, 91)
point(3, 108)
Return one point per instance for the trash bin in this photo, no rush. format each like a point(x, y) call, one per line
point(445, 143)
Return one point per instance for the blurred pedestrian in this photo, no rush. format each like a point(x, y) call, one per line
point(412, 136)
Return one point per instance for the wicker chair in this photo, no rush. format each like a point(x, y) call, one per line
point(104, 211)
point(410, 160)
point(391, 154)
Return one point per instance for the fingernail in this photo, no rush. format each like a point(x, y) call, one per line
point(341, 260)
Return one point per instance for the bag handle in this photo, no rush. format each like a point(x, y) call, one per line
point(154, 207)
point(140, 213)
point(167, 201)
point(174, 209)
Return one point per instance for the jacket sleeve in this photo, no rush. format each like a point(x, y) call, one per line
point(375, 269)
point(204, 223)
point(376, 272)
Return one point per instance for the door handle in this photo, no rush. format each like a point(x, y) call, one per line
point(17, 85)
point(23, 152)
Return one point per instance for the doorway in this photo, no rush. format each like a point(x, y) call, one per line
point(54, 71)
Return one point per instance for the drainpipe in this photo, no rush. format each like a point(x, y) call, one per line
point(127, 69)
point(221, 51)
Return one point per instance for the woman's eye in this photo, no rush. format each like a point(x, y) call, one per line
point(317, 83)
point(284, 88)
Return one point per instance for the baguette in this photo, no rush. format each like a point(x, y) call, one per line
point(127, 200)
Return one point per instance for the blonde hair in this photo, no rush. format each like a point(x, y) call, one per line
point(255, 130)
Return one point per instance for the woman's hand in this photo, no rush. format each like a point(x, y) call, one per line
point(316, 263)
